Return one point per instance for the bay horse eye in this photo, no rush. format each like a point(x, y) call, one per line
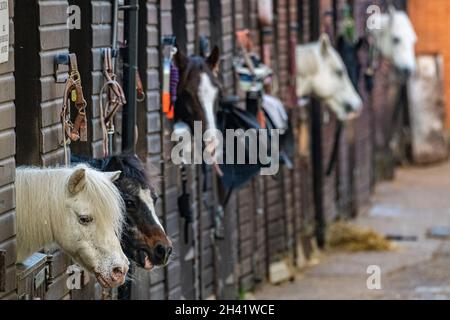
point(129, 204)
point(85, 220)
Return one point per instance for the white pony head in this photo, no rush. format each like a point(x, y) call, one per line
point(77, 208)
point(395, 38)
point(322, 73)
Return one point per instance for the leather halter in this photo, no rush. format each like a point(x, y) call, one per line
point(73, 92)
point(115, 100)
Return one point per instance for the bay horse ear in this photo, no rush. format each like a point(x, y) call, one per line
point(114, 175)
point(325, 44)
point(180, 60)
point(77, 181)
point(213, 59)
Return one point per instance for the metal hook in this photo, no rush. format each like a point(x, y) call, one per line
point(61, 59)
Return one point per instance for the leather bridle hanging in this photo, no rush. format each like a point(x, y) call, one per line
point(73, 92)
point(115, 100)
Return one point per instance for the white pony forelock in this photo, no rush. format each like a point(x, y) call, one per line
point(108, 205)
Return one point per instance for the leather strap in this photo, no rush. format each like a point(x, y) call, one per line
point(73, 92)
point(139, 88)
point(115, 100)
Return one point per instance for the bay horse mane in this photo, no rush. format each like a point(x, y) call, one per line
point(129, 164)
point(132, 167)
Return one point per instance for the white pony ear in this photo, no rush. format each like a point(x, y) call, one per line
point(77, 181)
point(113, 176)
point(325, 44)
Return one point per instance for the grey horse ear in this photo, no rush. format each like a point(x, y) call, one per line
point(114, 175)
point(325, 44)
point(77, 181)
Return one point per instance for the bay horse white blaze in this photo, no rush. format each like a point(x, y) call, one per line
point(322, 73)
point(395, 39)
point(207, 94)
point(77, 208)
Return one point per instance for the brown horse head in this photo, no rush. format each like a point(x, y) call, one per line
point(144, 239)
point(198, 89)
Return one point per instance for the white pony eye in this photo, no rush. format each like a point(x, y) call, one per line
point(85, 219)
point(340, 73)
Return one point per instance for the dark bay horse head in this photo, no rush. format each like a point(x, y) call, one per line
point(198, 91)
point(144, 240)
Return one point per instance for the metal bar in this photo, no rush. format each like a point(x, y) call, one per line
point(130, 7)
point(114, 33)
point(2, 270)
point(115, 23)
point(130, 70)
point(316, 143)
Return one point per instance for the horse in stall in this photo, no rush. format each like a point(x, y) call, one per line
point(391, 37)
point(322, 73)
point(395, 38)
point(79, 209)
point(144, 240)
point(197, 94)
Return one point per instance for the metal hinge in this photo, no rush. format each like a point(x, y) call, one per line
point(49, 270)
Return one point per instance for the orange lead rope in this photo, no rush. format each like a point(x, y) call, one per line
point(73, 92)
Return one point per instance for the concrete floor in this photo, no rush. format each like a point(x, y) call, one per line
point(416, 200)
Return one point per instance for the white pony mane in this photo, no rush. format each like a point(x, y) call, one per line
point(41, 193)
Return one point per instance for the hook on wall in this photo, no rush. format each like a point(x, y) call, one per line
point(60, 71)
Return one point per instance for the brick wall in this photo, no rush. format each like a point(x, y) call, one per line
point(7, 164)
point(430, 19)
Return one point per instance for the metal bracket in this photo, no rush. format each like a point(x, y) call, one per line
point(169, 40)
point(2, 270)
point(50, 278)
point(61, 59)
point(129, 7)
point(205, 47)
point(114, 52)
point(168, 43)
